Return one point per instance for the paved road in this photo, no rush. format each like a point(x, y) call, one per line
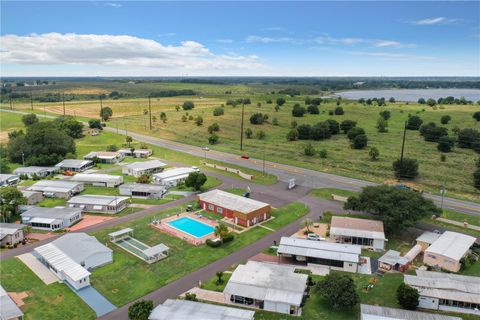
point(304, 177)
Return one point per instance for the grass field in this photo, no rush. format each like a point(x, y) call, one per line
point(456, 171)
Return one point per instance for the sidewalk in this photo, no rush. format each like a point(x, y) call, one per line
point(460, 224)
point(38, 268)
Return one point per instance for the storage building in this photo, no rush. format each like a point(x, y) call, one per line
point(98, 203)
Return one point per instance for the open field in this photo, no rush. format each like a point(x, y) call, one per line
point(456, 172)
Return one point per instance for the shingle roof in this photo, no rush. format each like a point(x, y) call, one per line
point(231, 201)
point(80, 246)
point(370, 312)
point(450, 244)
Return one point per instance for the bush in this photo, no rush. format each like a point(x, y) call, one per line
point(112, 148)
point(293, 124)
point(292, 135)
point(408, 169)
point(339, 111)
point(313, 109)
point(414, 123)
point(346, 125)
point(476, 116)
point(191, 296)
point(468, 137)
point(323, 154)
point(320, 131)
point(309, 150)
point(382, 125)
point(213, 139)
point(95, 124)
point(445, 119)
point(333, 126)
point(184, 118)
point(188, 105)
point(360, 141)
point(385, 114)
point(432, 133)
point(257, 118)
point(248, 133)
point(213, 244)
point(355, 131)
point(140, 310)
point(199, 121)
point(29, 119)
point(407, 297)
point(275, 122)
point(214, 127)
point(143, 179)
point(228, 238)
point(476, 179)
point(374, 153)
point(281, 101)
point(218, 111)
point(261, 135)
point(445, 144)
point(304, 131)
point(298, 110)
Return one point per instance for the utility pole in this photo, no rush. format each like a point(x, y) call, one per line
point(263, 169)
point(63, 101)
point(241, 128)
point(101, 107)
point(403, 148)
point(11, 104)
point(150, 111)
point(31, 101)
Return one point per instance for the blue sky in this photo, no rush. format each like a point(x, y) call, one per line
point(335, 38)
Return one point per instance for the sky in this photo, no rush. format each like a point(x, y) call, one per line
point(214, 38)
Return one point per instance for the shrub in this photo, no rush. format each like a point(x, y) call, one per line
point(292, 135)
point(385, 114)
point(407, 297)
point(112, 148)
point(414, 123)
point(304, 131)
point(360, 141)
point(213, 139)
point(320, 131)
point(269, 101)
point(476, 179)
point(191, 296)
point(218, 111)
point(293, 124)
point(190, 117)
point(476, 116)
point(248, 133)
point(214, 127)
point(228, 238)
point(298, 110)
point(313, 109)
point(261, 135)
point(199, 121)
point(309, 150)
point(330, 112)
point(257, 118)
point(144, 178)
point(95, 124)
point(407, 169)
point(374, 153)
point(277, 108)
point(445, 144)
point(333, 126)
point(431, 132)
point(184, 118)
point(323, 154)
point(29, 119)
point(468, 137)
point(213, 244)
point(346, 125)
point(275, 122)
point(188, 105)
point(339, 111)
point(382, 125)
point(281, 101)
point(355, 131)
point(140, 310)
point(445, 119)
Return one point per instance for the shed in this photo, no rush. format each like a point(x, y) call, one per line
point(393, 261)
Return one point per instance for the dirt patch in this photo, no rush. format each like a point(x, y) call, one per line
point(18, 297)
point(87, 91)
point(4, 136)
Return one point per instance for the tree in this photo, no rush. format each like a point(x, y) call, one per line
point(360, 141)
point(313, 109)
point(4, 167)
point(445, 119)
point(333, 126)
point(320, 131)
point(218, 111)
point(257, 118)
point(476, 116)
point(397, 208)
point(355, 131)
point(468, 137)
point(220, 280)
point(304, 131)
point(391, 100)
point(431, 102)
point(248, 133)
point(10, 199)
point(339, 111)
point(29, 119)
point(188, 105)
point(374, 153)
point(163, 117)
point(432, 133)
point(213, 139)
point(261, 135)
point(112, 148)
point(414, 123)
point(407, 296)
point(346, 125)
point(385, 114)
point(280, 101)
point(70, 126)
point(95, 124)
point(140, 310)
point(339, 290)
point(196, 180)
point(214, 127)
point(382, 125)
point(184, 118)
point(476, 178)
point(106, 113)
point(445, 144)
point(421, 101)
point(309, 150)
point(307, 223)
point(408, 168)
point(292, 135)
point(199, 121)
point(221, 231)
point(144, 178)
point(298, 110)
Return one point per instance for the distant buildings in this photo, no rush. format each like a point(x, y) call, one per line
point(142, 190)
point(243, 211)
point(74, 165)
point(446, 291)
point(57, 188)
point(369, 312)
point(98, 203)
point(98, 179)
point(31, 172)
point(364, 232)
point(105, 157)
point(8, 309)
point(8, 179)
point(11, 234)
point(148, 167)
point(136, 153)
point(172, 177)
point(267, 286)
point(51, 219)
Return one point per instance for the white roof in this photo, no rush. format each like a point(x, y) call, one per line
point(73, 163)
point(9, 228)
point(357, 233)
point(27, 193)
point(90, 199)
point(268, 282)
point(231, 201)
point(184, 310)
point(428, 237)
point(55, 186)
point(142, 187)
point(446, 286)
point(33, 169)
point(320, 249)
point(8, 309)
point(355, 227)
point(44, 220)
point(50, 213)
point(8, 177)
point(102, 154)
point(393, 257)
point(120, 232)
point(145, 165)
point(453, 245)
point(174, 173)
point(79, 246)
point(370, 312)
point(61, 262)
point(96, 177)
point(153, 251)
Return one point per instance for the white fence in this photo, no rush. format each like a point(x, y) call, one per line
point(236, 171)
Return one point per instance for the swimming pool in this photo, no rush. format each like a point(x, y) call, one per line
point(192, 227)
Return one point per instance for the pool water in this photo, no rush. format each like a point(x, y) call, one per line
point(192, 227)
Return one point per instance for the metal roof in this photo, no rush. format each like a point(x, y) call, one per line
point(231, 201)
point(61, 262)
point(55, 186)
point(393, 257)
point(446, 286)
point(44, 220)
point(142, 187)
point(135, 151)
point(120, 232)
point(453, 245)
point(145, 165)
point(51, 213)
point(369, 312)
point(269, 282)
point(79, 246)
point(174, 173)
point(8, 309)
point(346, 232)
point(91, 199)
point(27, 194)
point(96, 177)
point(33, 169)
point(73, 163)
point(428, 237)
point(102, 154)
point(9, 228)
point(320, 249)
point(184, 310)
point(7, 177)
point(155, 250)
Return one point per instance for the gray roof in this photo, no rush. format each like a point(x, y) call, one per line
point(120, 232)
point(174, 173)
point(142, 187)
point(155, 250)
point(231, 201)
point(453, 245)
point(73, 163)
point(55, 185)
point(80, 246)
point(51, 213)
point(428, 237)
point(33, 169)
point(268, 282)
point(9, 228)
point(90, 199)
point(27, 194)
point(96, 177)
point(7, 177)
point(8, 310)
point(370, 312)
point(320, 249)
point(145, 165)
point(184, 310)
point(393, 257)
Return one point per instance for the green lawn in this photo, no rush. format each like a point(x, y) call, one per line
point(461, 217)
point(212, 285)
point(52, 202)
point(326, 193)
point(54, 302)
point(286, 214)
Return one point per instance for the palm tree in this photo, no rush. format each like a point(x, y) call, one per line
point(219, 277)
point(307, 223)
point(221, 231)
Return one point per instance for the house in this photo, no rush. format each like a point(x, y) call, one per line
point(74, 165)
point(71, 258)
point(51, 219)
point(142, 190)
point(172, 177)
point(9, 309)
point(8, 179)
point(267, 286)
point(184, 309)
point(427, 238)
point(98, 179)
point(138, 169)
point(243, 211)
point(98, 204)
point(447, 251)
point(136, 153)
point(105, 157)
point(337, 256)
point(364, 232)
point(57, 188)
point(11, 234)
point(369, 312)
point(32, 172)
point(33, 197)
point(446, 291)
point(393, 261)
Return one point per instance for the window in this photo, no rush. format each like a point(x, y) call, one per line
point(219, 210)
point(211, 207)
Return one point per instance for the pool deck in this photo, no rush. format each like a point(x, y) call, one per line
point(165, 227)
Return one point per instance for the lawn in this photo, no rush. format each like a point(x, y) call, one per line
point(212, 285)
point(52, 202)
point(54, 302)
point(326, 193)
point(284, 215)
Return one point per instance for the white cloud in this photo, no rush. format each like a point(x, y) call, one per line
point(433, 21)
point(225, 40)
point(113, 5)
point(168, 34)
point(392, 56)
point(259, 39)
point(115, 50)
point(277, 29)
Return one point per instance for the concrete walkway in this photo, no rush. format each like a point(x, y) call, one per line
point(38, 268)
point(207, 295)
point(95, 300)
point(460, 224)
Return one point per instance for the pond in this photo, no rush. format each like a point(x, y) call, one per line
point(411, 95)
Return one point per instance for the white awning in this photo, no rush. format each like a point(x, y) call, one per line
point(44, 220)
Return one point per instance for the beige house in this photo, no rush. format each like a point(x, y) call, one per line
point(427, 238)
point(447, 251)
point(366, 233)
point(105, 156)
point(11, 234)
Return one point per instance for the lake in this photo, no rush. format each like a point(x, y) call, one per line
point(411, 94)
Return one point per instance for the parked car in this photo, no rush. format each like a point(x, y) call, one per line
point(245, 157)
point(206, 149)
point(314, 237)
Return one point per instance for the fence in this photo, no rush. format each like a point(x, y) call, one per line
point(231, 170)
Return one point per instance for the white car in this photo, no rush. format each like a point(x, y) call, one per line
point(314, 237)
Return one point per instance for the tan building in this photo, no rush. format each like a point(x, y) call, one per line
point(105, 156)
point(447, 251)
point(11, 234)
point(363, 232)
point(427, 238)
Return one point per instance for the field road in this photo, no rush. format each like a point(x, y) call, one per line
point(304, 177)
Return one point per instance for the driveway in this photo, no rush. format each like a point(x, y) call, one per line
point(95, 300)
